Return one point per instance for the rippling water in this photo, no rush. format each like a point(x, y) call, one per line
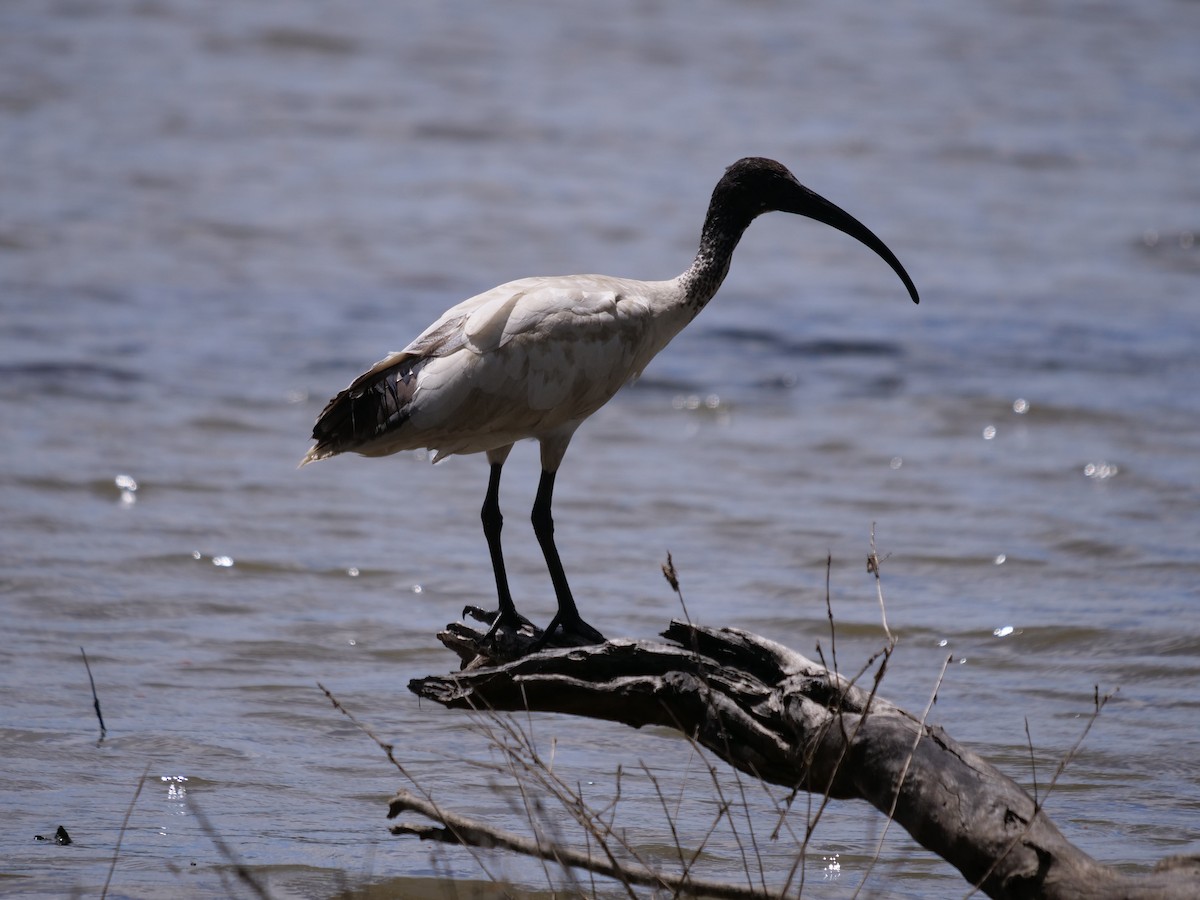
point(214, 217)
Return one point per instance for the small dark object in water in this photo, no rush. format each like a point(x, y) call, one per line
point(60, 837)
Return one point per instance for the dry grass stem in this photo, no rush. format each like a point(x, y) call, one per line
point(903, 775)
point(389, 751)
point(240, 869)
point(1098, 704)
point(873, 568)
point(124, 825)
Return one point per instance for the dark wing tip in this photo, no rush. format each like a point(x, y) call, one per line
point(375, 403)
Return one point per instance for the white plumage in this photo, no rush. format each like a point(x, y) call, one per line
point(534, 358)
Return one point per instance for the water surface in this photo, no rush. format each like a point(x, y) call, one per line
point(215, 217)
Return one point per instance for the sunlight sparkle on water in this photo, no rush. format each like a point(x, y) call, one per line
point(1003, 631)
point(695, 401)
point(833, 867)
point(128, 486)
point(1100, 471)
point(221, 562)
point(176, 794)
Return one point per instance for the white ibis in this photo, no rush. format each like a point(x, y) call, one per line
point(533, 358)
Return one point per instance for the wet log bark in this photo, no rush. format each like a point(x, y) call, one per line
point(779, 716)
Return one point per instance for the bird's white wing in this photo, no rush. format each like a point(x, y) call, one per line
point(521, 360)
point(551, 308)
point(537, 344)
point(568, 341)
point(471, 322)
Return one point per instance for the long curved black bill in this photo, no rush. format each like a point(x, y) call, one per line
point(812, 205)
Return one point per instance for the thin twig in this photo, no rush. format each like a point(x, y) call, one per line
point(124, 824)
point(523, 756)
point(722, 808)
point(1032, 762)
point(240, 869)
point(920, 731)
point(723, 811)
point(762, 875)
point(461, 829)
point(847, 743)
point(684, 864)
point(1098, 704)
point(873, 568)
point(95, 696)
point(389, 751)
point(387, 748)
point(531, 806)
point(838, 711)
point(672, 577)
point(829, 612)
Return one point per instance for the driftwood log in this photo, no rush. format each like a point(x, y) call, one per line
point(778, 716)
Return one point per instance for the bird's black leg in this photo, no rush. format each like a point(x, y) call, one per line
point(493, 522)
point(567, 618)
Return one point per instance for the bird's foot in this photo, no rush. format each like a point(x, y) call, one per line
point(507, 638)
point(498, 619)
point(568, 632)
point(511, 637)
point(479, 614)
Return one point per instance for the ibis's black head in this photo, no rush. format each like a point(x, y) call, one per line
point(753, 186)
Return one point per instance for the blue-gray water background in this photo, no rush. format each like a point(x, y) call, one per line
point(214, 215)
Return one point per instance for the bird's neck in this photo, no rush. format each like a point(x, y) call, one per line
point(718, 239)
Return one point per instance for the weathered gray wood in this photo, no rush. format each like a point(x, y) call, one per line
point(774, 714)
